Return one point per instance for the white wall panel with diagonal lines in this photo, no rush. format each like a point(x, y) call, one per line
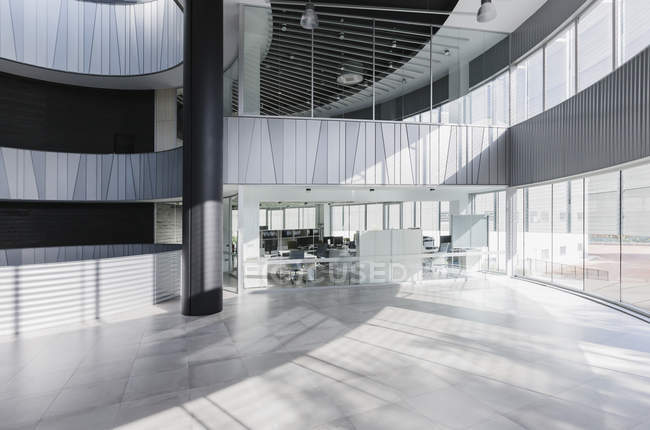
point(92, 37)
point(261, 150)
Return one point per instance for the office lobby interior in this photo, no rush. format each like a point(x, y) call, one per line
point(327, 215)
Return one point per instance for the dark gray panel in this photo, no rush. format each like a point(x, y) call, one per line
point(490, 62)
point(41, 224)
point(540, 25)
point(602, 126)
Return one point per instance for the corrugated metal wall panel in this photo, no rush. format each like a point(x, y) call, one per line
point(602, 126)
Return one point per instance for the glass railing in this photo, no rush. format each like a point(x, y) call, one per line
point(361, 68)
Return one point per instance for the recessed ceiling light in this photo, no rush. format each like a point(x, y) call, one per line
point(342, 36)
point(394, 45)
point(447, 52)
point(284, 27)
point(350, 73)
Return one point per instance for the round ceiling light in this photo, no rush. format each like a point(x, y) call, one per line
point(487, 12)
point(309, 19)
point(350, 73)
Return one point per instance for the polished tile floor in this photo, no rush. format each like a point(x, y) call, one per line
point(477, 353)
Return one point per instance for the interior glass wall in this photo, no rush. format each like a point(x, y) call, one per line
point(595, 43)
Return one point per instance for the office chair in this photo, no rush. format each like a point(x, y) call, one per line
point(295, 268)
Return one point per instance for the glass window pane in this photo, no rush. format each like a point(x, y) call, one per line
point(595, 44)
point(528, 87)
point(635, 276)
point(408, 215)
point(478, 101)
point(444, 218)
point(262, 217)
point(500, 100)
point(518, 231)
point(394, 215)
point(560, 68)
point(308, 218)
point(291, 220)
point(501, 231)
point(375, 217)
point(537, 239)
point(602, 272)
point(567, 234)
point(276, 219)
point(634, 27)
point(337, 220)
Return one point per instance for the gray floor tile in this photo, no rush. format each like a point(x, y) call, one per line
point(562, 415)
point(82, 398)
point(23, 412)
point(144, 386)
point(393, 417)
point(100, 418)
point(211, 373)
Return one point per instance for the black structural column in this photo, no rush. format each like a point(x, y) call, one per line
point(202, 157)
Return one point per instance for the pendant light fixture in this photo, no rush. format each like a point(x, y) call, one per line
point(309, 19)
point(487, 12)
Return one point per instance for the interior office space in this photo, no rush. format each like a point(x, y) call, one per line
point(278, 214)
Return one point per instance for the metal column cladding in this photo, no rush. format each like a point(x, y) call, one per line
point(202, 158)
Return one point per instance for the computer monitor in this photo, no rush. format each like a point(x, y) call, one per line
point(304, 242)
point(445, 239)
point(292, 244)
point(337, 240)
point(270, 245)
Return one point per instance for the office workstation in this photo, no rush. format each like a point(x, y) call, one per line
point(363, 243)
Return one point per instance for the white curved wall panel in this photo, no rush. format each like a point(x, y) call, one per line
point(92, 37)
point(259, 150)
point(40, 175)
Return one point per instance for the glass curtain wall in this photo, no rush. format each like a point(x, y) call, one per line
point(633, 28)
point(635, 244)
point(348, 219)
point(288, 218)
point(595, 43)
point(527, 87)
point(559, 70)
point(592, 232)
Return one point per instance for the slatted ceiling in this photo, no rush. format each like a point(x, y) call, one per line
point(345, 36)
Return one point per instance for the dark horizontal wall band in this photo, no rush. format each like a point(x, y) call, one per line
point(54, 117)
point(61, 254)
point(605, 125)
point(38, 175)
point(490, 62)
point(27, 225)
point(540, 25)
point(409, 104)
